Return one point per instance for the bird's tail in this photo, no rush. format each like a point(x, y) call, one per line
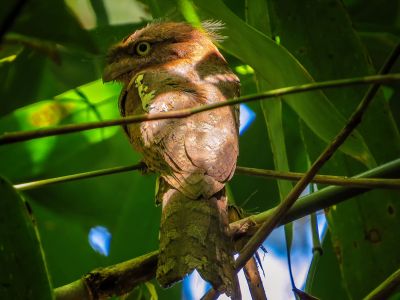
point(194, 235)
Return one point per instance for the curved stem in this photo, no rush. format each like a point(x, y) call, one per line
point(20, 136)
point(365, 183)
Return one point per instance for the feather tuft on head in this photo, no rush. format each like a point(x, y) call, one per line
point(213, 28)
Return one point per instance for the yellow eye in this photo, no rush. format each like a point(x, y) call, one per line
point(143, 48)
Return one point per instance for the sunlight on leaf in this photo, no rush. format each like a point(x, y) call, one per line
point(9, 52)
point(41, 114)
point(8, 59)
point(244, 70)
point(188, 10)
point(126, 11)
point(97, 101)
point(83, 11)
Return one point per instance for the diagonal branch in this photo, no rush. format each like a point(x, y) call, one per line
point(122, 278)
point(266, 228)
point(366, 183)
point(20, 136)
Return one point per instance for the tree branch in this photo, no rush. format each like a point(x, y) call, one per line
point(366, 183)
point(20, 136)
point(138, 270)
point(105, 282)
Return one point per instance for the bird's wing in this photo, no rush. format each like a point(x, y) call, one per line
point(200, 150)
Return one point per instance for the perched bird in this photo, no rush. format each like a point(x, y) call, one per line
point(168, 66)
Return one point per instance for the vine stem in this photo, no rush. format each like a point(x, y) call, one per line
point(365, 183)
point(20, 136)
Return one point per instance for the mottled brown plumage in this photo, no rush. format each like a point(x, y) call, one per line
point(170, 66)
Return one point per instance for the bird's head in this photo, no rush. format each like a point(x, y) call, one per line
point(157, 44)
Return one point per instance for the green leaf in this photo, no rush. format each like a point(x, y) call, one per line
point(272, 111)
point(13, 75)
point(257, 16)
point(23, 273)
point(41, 77)
point(378, 15)
point(160, 9)
point(42, 19)
point(298, 34)
point(189, 12)
point(73, 106)
point(363, 230)
point(328, 277)
point(279, 68)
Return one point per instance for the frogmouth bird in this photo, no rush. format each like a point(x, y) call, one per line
point(168, 66)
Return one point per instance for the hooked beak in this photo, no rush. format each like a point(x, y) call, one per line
point(115, 70)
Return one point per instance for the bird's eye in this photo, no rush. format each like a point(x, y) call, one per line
point(143, 48)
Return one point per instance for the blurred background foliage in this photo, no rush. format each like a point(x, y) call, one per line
point(51, 61)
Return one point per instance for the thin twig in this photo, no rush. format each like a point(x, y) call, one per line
point(366, 183)
point(263, 232)
point(79, 176)
point(138, 270)
point(20, 136)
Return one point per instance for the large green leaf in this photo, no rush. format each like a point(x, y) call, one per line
point(377, 15)
point(250, 192)
point(91, 102)
point(23, 273)
point(272, 111)
point(363, 230)
point(379, 46)
point(279, 68)
point(339, 55)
